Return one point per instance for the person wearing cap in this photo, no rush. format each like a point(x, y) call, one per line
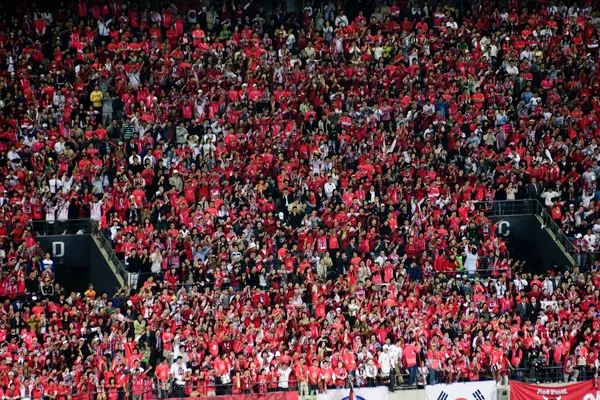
point(386, 365)
point(176, 181)
point(580, 246)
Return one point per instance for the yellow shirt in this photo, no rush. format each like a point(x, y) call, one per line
point(96, 98)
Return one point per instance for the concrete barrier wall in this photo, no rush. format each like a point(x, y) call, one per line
point(416, 394)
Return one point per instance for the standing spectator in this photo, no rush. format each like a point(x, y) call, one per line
point(411, 354)
point(178, 371)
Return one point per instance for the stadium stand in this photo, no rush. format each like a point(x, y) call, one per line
point(300, 200)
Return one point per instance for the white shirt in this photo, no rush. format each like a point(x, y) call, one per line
point(395, 353)
point(378, 52)
point(48, 264)
point(103, 28)
point(512, 70)
point(500, 289)
point(58, 100)
point(132, 158)
point(156, 260)
point(588, 176)
point(59, 147)
point(381, 260)
point(471, 261)
point(13, 157)
point(284, 377)
point(151, 158)
point(96, 211)
point(55, 184)
point(50, 213)
point(591, 241)
point(291, 39)
point(525, 54)
point(113, 232)
point(547, 284)
point(63, 211)
point(548, 196)
point(67, 183)
point(343, 19)
point(386, 362)
point(371, 371)
point(329, 189)
point(178, 372)
point(520, 284)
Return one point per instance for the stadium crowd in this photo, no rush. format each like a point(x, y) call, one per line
point(300, 199)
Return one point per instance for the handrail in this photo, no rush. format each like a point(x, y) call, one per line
point(107, 245)
point(559, 234)
point(508, 207)
point(62, 227)
point(480, 273)
point(541, 374)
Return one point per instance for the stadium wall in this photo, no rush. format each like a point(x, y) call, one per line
point(77, 257)
point(529, 241)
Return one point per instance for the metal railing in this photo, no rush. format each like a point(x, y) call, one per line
point(533, 374)
point(107, 244)
point(215, 392)
point(64, 227)
point(509, 207)
point(80, 227)
point(559, 234)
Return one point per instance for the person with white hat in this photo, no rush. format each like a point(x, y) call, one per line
point(176, 181)
point(580, 250)
point(386, 364)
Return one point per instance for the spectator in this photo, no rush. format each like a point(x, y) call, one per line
point(322, 180)
point(178, 371)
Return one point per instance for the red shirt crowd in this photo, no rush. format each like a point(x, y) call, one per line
point(295, 190)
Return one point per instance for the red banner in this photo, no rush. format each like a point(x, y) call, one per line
point(576, 391)
point(266, 396)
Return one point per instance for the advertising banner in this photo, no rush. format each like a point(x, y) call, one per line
point(576, 391)
point(266, 396)
point(374, 393)
point(485, 390)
